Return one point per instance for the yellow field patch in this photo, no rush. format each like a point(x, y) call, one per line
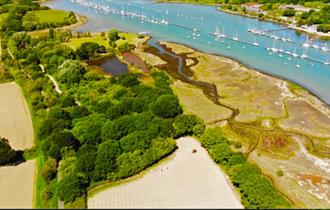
point(15, 118)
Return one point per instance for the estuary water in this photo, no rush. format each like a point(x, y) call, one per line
point(277, 51)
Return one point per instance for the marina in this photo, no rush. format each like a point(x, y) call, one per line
point(265, 46)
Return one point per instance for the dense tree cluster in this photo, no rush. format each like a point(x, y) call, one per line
point(7, 154)
point(289, 12)
point(89, 50)
point(185, 125)
point(19, 18)
point(120, 137)
point(255, 189)
point(99, 128)
point(321, 17)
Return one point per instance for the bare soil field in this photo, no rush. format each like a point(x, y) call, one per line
point(188, 180)
point(15, 123)
point(17, 185)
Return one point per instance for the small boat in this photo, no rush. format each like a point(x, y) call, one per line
point(327, 61)
point(325, 48)
point(143, 32)
point(294, 54)
point(306, 44)
point(235, 37)
point(315, 46)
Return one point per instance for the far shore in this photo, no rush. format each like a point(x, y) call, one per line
point(315, 34)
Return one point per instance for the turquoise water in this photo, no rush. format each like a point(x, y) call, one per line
point(183, 18)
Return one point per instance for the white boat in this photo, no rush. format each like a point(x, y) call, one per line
point(315, 46)
point(298, 66)
point(327, 62)
point(325, 48)
point(255, 43)
point(143, 32)
point(216, 33)
point(294, 54)
point(235, 37)
point(303, 56)
point(306, 44)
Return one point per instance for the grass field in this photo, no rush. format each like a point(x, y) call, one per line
point(76, 42)
point(17, 185)
point(48, 16)
point(97, 38)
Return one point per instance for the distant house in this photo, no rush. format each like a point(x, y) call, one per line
point(252, 7)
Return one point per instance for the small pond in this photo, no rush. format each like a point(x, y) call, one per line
point(110, 65)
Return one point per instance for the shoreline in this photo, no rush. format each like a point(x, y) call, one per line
point(218, 8)
point(320, 35)
point(312, 93)
point(254, 69)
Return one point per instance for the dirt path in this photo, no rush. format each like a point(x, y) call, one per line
point(57, 88)
point(16, 185)
point(15, 123)
point(189, 180)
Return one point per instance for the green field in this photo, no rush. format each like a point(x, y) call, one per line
point(46, 16)
point(76, 42)
point(97, 38)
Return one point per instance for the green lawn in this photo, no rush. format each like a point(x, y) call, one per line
point(47, 16)
point(128, 38)
point(76, 42)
